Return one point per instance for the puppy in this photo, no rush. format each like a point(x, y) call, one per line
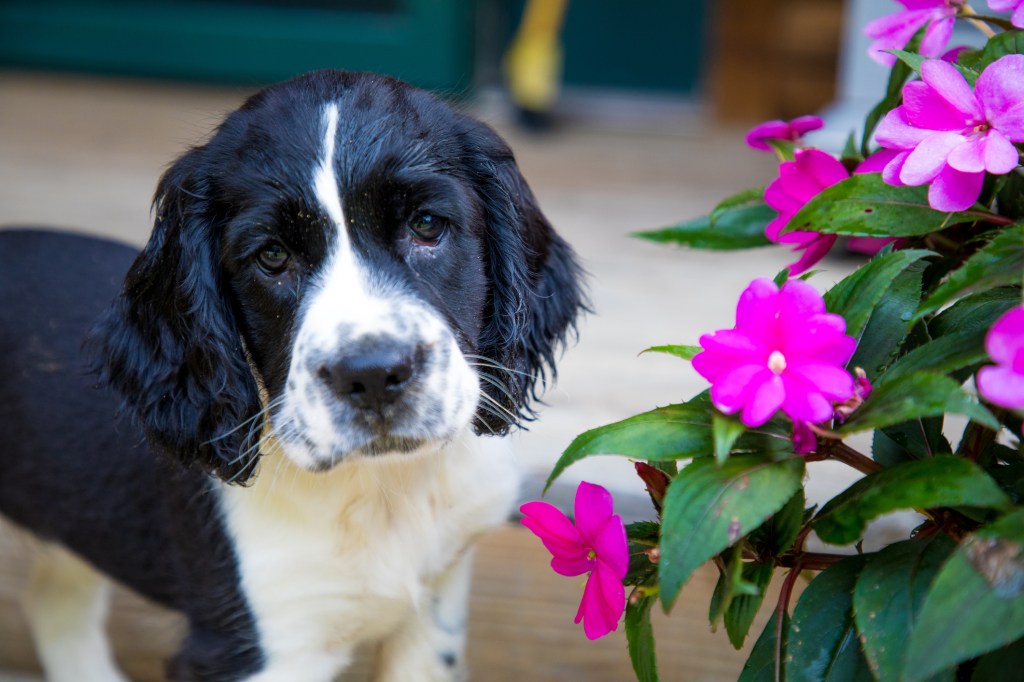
point(345, 285)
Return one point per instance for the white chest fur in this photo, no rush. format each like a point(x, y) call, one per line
point(333, 560)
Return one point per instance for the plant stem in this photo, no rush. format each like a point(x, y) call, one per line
point(841, 452)
point(968, 13)
point(811, 561)
point(781, 609)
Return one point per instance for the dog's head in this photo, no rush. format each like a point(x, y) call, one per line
point(349, 260)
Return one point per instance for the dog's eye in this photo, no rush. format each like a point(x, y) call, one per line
point(427, 229)
point(273, 258)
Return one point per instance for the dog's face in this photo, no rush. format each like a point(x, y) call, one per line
point(349, 261)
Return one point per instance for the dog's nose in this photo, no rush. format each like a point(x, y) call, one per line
point(373, 378)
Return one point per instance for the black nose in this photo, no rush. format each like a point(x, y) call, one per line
point(374, 377)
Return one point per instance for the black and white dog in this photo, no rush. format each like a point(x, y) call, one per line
point(344, 285)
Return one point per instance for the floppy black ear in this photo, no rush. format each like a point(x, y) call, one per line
point(170, 345)
point(536, 287)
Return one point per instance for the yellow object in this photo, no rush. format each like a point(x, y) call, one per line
point(533, 63)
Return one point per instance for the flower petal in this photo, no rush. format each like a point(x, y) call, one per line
point(835, 383)
point(1000, 89)
point(612, 547)
point(1005, 340)
point(798, 300)
point(1002, 386)
point(594, 506)
point(554, 529)
point(803, 401)
point(929, 158)
point(1000, 156)
point(814, 251)
point(823, 167)
point(892, 170)
point(969, 157)
point(952, 190)
point(769, 130)
point(895, 131)
point(936, 36)
point(950, 84)
point(926, 109)
point(604, 600)
point(876, 162)
point(821, 338)
point(755, 311)
point(572, 565)
point(724, 350)
point(732, 391)
point(766, 399)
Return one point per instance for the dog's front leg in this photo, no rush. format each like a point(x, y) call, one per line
point(430, 645)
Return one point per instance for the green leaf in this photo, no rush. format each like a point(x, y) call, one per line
point(976, 312)
point(668, 433)
point(736, 223)
point(992, 667)
point(725, 431)
point(976, 602)
point(1000, 45)
point(915, 395)
point(914, 61)
point(640, 636)
point(936, 482)
point(709, 507)
point(888, 595)
point(642, 536)
point(1010, 196)
point(863, 205)
point(684, 352)
point(768, 652)
point(730, 583)
point(918, 439)
point(889, 324)
point(856, 296)
point(942, 355)
point(744, 607)
point(893, 96)
point(778, 534)
point(998, 263)
point(823, 644)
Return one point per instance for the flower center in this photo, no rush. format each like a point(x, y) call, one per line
point(777, 362)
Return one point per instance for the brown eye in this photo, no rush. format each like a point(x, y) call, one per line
point(273, 258)
point(427, 229)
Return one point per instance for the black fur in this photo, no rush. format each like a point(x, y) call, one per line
point(197, 329)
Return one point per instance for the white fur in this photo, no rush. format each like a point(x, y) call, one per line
point(372, 551)
point(66, 605)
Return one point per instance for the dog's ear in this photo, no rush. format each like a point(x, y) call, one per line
point(536, 287)
point(170, 344)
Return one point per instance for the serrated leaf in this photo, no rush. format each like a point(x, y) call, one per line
point(1000, 45)
point(863, 205)
point(768, 653)
point(998, 263)
point(976, 602)
point(709, 507)
point(942, 355)
point(914, 61)
point(912, 396)
point(777, 535)
point(743, 608)
point(917, 439)
point(888, 325)
point(725, 432)
point(823, 644)
point(640, 636)
point(669, 433)
point(684, 352)
point(976, 312)
point(738, 222)
point(898, 75)
point(937, 482)
point(856, 296)
point(888, 595)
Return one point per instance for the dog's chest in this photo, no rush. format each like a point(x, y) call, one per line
point(333, 560)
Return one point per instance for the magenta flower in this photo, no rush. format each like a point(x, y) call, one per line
point(949, 136)
point(1016, 6)
point(781, 130)
point(811, 171)
point(596, 544)
point(784, 352)
point(1003, 383)
point(894, 31)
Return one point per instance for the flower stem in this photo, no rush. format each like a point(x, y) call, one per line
point(968, 13)
point(781, 609)
point(841, 452)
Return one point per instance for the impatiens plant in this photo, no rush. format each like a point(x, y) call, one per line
point(921, 349)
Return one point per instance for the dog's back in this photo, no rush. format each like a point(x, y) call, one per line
point(59, 432)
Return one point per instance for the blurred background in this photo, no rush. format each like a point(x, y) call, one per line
point(624, 116)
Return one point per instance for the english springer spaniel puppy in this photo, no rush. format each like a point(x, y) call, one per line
point(345, 285)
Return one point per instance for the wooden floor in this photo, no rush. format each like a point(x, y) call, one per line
point(520, 628)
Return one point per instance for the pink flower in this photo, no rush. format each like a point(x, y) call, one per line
point(810, 171)
point(596, 544)
point(1017, 6)
point(894, 31)
point(785, 352)
point(949, 136)
point(804, 439)
point(1003, 383)
point(781, 130)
